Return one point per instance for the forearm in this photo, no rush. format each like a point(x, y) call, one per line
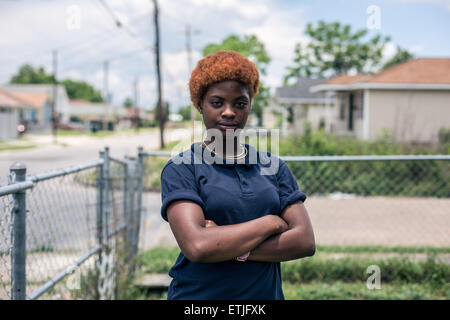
point(292, 244)
point(223, 243)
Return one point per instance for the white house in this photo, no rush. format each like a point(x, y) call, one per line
point(14, 111)
point(411, 100)
point(42, 94)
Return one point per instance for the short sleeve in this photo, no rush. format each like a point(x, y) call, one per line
point(178, 183)
point(287, 187)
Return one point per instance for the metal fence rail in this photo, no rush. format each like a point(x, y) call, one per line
point(387, 200)
point(69, 234)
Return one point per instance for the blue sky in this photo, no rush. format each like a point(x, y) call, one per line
point(30, 30)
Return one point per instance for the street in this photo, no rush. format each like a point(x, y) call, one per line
point(78, 150)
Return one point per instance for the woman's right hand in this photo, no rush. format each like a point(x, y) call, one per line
point(280, 225)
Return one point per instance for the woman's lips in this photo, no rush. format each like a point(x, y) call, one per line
point(227, 126)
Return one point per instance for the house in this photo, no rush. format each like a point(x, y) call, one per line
point(275, 117)
point(95, 115)
point(411, 100)
point(41, 95)
point(13, 112)
point(303, 106)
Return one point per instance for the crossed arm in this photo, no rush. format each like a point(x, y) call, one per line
point(270, 238)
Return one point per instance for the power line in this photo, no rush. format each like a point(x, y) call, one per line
point(113, 58)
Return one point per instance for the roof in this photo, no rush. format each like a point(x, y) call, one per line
point(300, 89)
point(7, 100)
point(37, 89)
point(13, 100)
point(420, 73)
point(421, 70)
point(347, 79)
point(37, 100)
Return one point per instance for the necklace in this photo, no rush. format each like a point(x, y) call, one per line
point(239, 156)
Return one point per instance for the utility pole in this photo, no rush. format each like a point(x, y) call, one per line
point(136, 101)
point(189, 56)
point(136, 92)
point(160, 112)
point(55, 96)
point(105, 92)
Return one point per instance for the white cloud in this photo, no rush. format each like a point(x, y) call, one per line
point(445, 3)
point(416, 49)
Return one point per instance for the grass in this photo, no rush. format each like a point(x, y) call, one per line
point(380, 249)
point(324, 277)
point(358, 291)
point(17, 145)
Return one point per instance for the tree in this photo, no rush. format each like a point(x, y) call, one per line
point(81, 90)
point(333, 50)
point(400, 56)
point(128, 102)
point(75, 89)
point(185, 112)
point(27, 74)
point(251, 47)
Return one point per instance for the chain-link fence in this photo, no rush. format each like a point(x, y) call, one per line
point(72, 233)
point(377, 200)
point(75, 233)
point(355, 200)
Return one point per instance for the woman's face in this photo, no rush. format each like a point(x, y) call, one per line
point(226, 105)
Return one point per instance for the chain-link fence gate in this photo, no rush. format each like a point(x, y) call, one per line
point(72, 233)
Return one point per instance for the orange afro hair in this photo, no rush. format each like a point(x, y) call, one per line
point(222, 66)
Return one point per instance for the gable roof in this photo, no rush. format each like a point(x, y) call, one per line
point(11, 100)
point(37, 99)
point(420, 73)
point(420, 70)
point(347, 79)
point(300, 89)
point(415, 74)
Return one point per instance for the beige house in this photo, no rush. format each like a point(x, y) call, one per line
point(411, 100)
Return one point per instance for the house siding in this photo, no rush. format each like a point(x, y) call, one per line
point(411, 115)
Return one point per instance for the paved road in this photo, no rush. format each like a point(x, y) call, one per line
point(72, 151)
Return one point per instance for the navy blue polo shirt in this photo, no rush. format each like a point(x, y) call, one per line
point(228, 193)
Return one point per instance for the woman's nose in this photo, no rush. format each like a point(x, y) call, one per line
point(228, 111)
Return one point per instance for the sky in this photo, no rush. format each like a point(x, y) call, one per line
point(85, 35)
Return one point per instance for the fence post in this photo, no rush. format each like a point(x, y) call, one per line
point(125, 200)
point(18, 235)
point(106, 190)
point(131, 215)
point(100, 207)
point(140, 175)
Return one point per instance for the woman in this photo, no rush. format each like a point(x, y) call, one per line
point(233, 224)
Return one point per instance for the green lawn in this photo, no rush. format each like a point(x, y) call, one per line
point(17, 145)
point(324, 276)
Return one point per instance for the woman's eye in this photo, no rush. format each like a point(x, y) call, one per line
point(241, 104)
point(216, 103)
